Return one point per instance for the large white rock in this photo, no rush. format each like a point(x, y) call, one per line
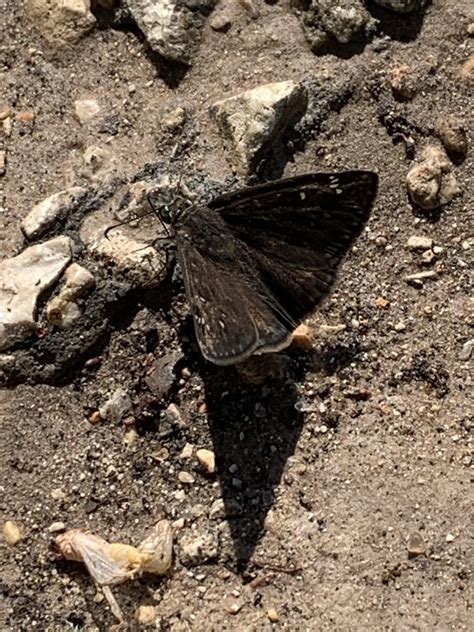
point(44, 214)
point(251, 121)
point(22, 281)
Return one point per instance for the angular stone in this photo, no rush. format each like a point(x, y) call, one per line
point(22, 281)
point(61, 22)
point(172, 27)
point(52, 209)
point(251, 121)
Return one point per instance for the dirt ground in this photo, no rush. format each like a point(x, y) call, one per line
point(327, 475)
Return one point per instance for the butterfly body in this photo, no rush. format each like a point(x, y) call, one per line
point(258, 260)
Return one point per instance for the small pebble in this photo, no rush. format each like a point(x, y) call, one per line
point(450, 130)
point(404, 81)
point(415, 545)
point(466, 350)
point(12, 533)
point(419, 242)
point(146, 615)
point(450, 537)
point(400, 326)
point(57, 527)
point(221, 22)
point(25, 117)
point(130, 436)
point(95, 418)
point(234, 607)
point(186, 478)
point(86, 110)
point(207, 459)
point(272, 614)
point(187, 451)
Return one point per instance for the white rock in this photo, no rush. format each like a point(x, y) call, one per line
point(419, 242)
point(22, 281)
point(52, 209)
point(62, 310)
point(249, 122)
point(171, 27)
point(207, 459)
point(86, 110)
point(140, 263)
point(61, 22)
point(431, 183)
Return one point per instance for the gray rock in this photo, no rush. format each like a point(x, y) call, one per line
point(401, 6)
point(251, 121)
point(23, 279)
point(340, 20)
point(62, 309)
point(432, 184)
point(61, 22)
point(54, 208)
point(172, 27)
point(117, 407)
point(195, 549)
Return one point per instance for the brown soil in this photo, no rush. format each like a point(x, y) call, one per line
point(326, 500)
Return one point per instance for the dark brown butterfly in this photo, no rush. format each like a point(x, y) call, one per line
point(258, 260)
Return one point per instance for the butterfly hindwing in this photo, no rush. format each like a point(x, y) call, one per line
point(231, 319)
point(256, 261)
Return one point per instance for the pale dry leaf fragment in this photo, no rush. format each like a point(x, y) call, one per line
point(157, 548)
point(114, 563)
point(82, 546)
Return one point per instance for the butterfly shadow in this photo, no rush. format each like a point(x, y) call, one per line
point(254, 431)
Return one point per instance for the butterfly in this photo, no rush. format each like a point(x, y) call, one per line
point(258, 260)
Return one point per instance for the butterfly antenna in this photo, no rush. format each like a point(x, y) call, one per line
point(124, 223)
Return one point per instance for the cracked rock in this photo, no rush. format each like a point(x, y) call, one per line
point(431, 183)
point(172, 27)
point(23, 279)
point(252, 120)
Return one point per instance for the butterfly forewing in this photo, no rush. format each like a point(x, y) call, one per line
point(258, 260)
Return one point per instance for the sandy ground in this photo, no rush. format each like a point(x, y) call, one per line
point(327, 476)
